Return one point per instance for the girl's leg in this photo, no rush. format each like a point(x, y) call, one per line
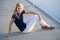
point(30, 23)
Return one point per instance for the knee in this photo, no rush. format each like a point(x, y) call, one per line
point(37, 16)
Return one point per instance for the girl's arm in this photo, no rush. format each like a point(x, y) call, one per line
point(10, 26)
point(32, 12)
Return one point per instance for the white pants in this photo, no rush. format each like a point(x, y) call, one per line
point(30, 23)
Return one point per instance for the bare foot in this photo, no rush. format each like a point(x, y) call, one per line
point(47, 27)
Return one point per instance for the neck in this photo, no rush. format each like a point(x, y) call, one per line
point(19, 12)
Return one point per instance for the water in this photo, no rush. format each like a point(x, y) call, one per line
point(51, 7)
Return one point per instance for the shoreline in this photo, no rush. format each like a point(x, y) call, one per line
point(43, 12)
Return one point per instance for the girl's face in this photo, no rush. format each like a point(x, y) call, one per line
point(19, 9)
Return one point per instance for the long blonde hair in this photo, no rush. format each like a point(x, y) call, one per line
point(17, 5)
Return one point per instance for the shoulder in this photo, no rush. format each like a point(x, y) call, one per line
point(23, 11)
point(26, 11)
point(13, 15)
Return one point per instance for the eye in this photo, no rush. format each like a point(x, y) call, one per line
point(19, 8)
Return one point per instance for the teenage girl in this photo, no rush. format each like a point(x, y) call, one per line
point(17, 18)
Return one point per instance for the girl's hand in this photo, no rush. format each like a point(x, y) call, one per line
point(8, 35)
